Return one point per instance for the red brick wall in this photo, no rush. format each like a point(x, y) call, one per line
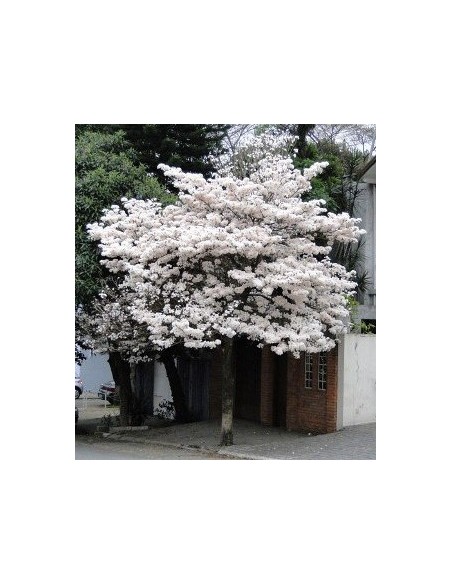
point(307, 410)
point(311, 410)
point(331, 391)
point(294, 374)
point(267, 383)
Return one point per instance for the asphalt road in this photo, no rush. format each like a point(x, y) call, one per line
point(93, 448)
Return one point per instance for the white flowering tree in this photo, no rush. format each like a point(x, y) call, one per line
point(236, 256)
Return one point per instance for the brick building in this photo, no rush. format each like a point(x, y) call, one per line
point(295, 394)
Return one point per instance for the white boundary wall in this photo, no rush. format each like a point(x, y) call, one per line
point(162, 390)
point(356, 380)
point(95, 370)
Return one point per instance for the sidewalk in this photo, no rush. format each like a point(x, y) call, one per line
point(256, 442)
point(251, 440)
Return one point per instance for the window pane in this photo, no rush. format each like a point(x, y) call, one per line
point(308, 368)
point(322, 371)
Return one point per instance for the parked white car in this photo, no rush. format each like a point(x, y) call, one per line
point(109, 392)
point(78, 387)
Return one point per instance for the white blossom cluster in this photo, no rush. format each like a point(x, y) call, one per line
point(110, 326)
point(233, 257)
point(241, 161)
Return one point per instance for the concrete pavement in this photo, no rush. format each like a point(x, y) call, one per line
point(256, 442)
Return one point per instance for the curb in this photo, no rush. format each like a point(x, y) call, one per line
point(203, 449)
point(242, 456)
point(115, 429)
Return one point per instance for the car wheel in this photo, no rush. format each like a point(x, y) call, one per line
point(77, 393)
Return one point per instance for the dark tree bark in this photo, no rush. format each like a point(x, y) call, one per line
point(227, 391)
point(137, 412)
point(302, 130)
point(121, 371)
point(182, 413)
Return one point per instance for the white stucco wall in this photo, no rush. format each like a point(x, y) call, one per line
point(162, 390)
point(356, 380)
point(94, 371)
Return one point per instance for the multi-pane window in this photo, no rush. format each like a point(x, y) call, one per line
point(308, 369)
point(322, 371)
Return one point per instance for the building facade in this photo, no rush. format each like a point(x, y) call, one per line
point(366, 210)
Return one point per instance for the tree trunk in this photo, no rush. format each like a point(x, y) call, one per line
point(227, 391)
point(137, 411)
point(120, 370)
point(182, 413)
